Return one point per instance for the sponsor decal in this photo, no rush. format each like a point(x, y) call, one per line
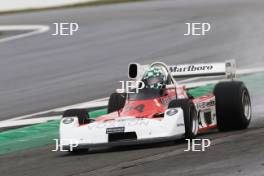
point(115, 130)
point(117, 123)
point(189, 68)
point(180, 124)
point(204, 105)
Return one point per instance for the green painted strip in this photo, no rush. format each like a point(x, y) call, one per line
point(254, 82)
point(34, 136)
point(201, 91)
point(28, 137)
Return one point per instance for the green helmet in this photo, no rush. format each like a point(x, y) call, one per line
point(154, 78)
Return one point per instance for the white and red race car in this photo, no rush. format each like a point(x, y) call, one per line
point(164, 114)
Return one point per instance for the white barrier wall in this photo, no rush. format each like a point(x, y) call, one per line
point(12, 5)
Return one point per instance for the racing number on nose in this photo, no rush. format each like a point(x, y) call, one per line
point(139, 108)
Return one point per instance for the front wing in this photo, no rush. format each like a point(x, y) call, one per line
point(122, 131)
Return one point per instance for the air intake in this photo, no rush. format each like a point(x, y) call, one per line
point(117, 137)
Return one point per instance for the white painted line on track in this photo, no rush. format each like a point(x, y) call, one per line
point(23, 120)
point(34, 30)
point(28, 121)
point(250, 70)
point(92, 104)
point(89, 104)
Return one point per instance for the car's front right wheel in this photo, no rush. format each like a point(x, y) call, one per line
point(191, 121)
point(116, 102)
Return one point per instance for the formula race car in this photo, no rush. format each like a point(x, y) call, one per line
point(159, 108)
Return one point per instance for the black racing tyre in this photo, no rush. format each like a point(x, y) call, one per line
point(82, 114)
point(116, 102)
point(190, 116)
point(79, 151)
point(233, 106)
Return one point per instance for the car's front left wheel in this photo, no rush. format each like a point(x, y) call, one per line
point(81, 114)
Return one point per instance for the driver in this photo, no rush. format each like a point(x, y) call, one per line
point(154, 78)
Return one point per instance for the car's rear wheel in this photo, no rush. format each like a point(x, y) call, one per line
point(233, 106)
point(116, 102)
point(82, 114)
point(191, 120)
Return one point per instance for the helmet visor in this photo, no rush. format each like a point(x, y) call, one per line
point(154, 80)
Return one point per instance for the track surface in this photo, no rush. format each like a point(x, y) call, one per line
point(43, 72)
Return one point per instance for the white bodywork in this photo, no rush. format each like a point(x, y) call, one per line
point(145, 128)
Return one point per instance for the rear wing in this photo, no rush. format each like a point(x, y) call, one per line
point(227, 69)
